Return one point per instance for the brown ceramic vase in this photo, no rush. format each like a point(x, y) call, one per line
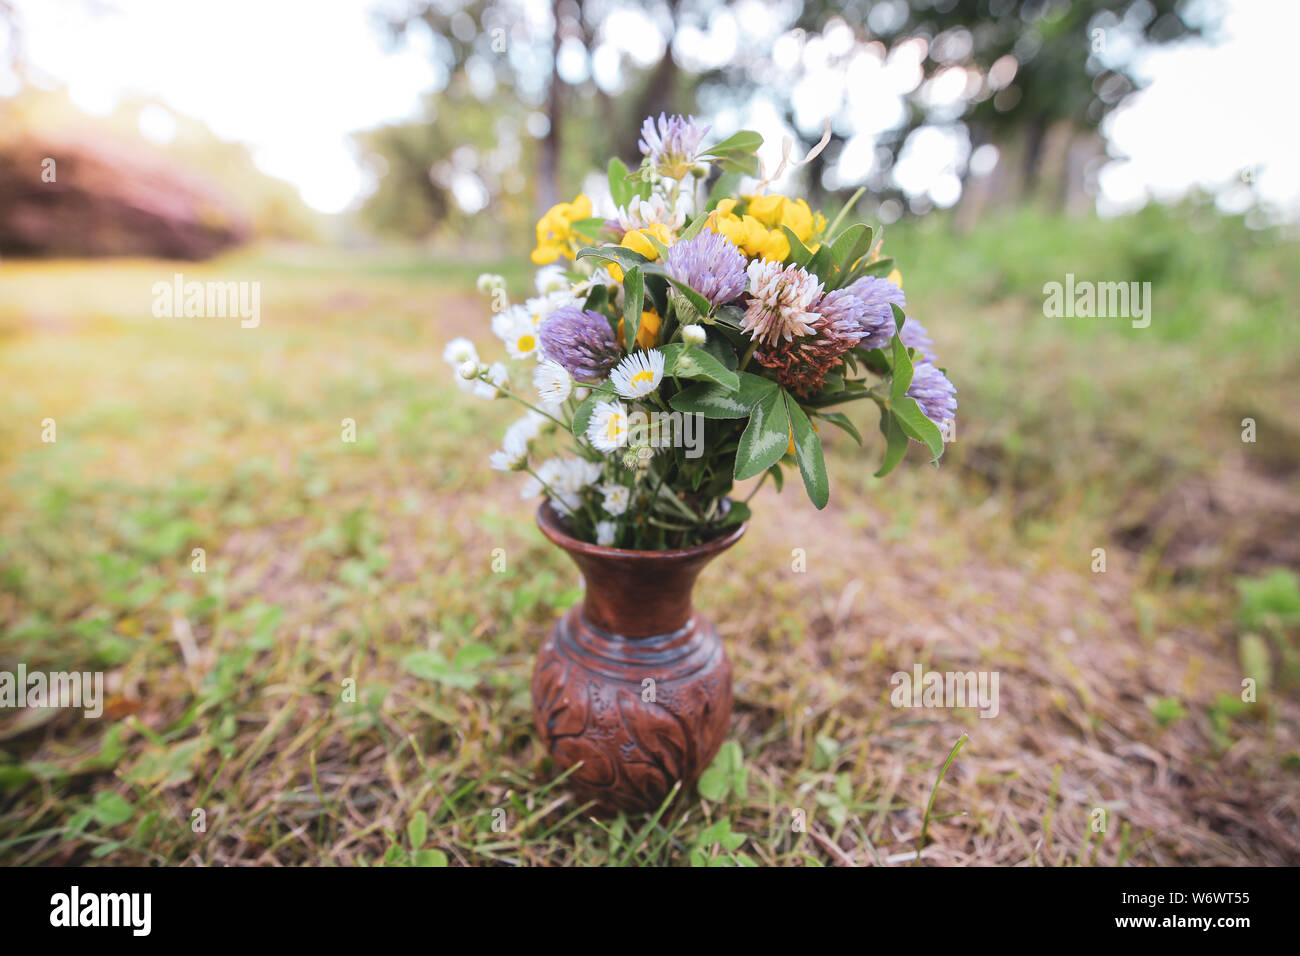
point(632, 682)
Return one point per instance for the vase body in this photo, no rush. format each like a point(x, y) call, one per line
point(632, 682)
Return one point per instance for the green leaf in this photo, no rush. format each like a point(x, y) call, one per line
point(912, 420)
point(851, 245)
point(798, 251)
point(715, 401)
point(808, 454)
point(879, 268)
point(738, 512)
point(843, 421)
point(418, 829)
point(765, 438)
point(625, 257)
point(471, 656)
point(722, 189)
point(895, 442)
point(697, 301)
point(110, 809)
point(902, 380)
point(745, 141)
point(633, 302)
point(430, 858)
point(620, 188)
point(582, 417)
point(699, 364)
point(590, 227)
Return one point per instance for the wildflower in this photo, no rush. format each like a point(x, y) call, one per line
point(637, 242)
point(497, 376)
point(782, 302)
point(605, 533)
point(468, 370)
point(553, 383)
point(647, 332)
point(642, 213)
point(874, 297)
point(915, 336)
point(638, 374)
point(802, 364)
point(934, 393)
point(608, 427)
point(617, 497)
point(550, 279)
point(672, 146)
point(556, 237)
point(490, 282)
point(580, 340)
point(521, 338)
point(748, 234)
point(539, 309)
point(694, 335)
point(777, 211)
point(710, 264)
point(514, 445)
point(459, 351)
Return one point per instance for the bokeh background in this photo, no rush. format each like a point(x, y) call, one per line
point(346, 679)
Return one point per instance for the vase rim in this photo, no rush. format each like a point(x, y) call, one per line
point(552, 525)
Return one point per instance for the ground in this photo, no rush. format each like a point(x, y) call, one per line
point(344, 677)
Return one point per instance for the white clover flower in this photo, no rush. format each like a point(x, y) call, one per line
point(605, 534)
point(616, 498)
point(553, 383)
point(497, 377)
point(694, 335)
point(608, 428)
point(638, 374)
point(551, 279)
point(521, 340)
point(459, 351)
point(782, 303)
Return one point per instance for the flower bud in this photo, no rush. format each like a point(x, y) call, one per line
point(694, 335)
point(468, 370)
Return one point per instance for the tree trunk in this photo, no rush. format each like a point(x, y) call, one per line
point(548, 157)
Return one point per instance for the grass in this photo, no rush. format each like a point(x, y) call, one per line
point(341, 676)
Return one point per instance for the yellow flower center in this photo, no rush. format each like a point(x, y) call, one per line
point(645, 376)
point(526, 343)
point(614, 427)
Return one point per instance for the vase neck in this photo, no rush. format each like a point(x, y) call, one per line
point(639, 597)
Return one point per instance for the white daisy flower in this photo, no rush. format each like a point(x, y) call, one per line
point(617, 498)
point(497, 376)
point(505, 321)
point(459, 351)
point(522, 341)
point(553, 383)
point(599, 276)
point(608, 428)
point(514, 443)
point(605, 534)
point(551, 279)
point(540, 308)
point(638, 374)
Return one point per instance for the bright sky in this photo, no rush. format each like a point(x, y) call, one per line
point(293, 78)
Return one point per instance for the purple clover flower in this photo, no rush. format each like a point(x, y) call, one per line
point(914, 335)
point(711, 265)
point(874, 296)
point(581, 340)
point(672, 144)
point(936, 396)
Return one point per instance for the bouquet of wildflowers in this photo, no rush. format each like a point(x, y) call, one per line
point(696, 338)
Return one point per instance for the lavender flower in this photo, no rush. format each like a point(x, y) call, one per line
point(874, 296)
point(914, 335)
point(711, 265)
point(936, 396)
point(580, 340)
point(672, 145)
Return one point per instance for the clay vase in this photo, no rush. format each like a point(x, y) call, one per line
point(632, 681)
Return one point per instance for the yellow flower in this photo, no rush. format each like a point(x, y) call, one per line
point(636, 241)
point(749, 233)
point(647, 333)
point(896, 277)
point(555, 235)
point(777, 211)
